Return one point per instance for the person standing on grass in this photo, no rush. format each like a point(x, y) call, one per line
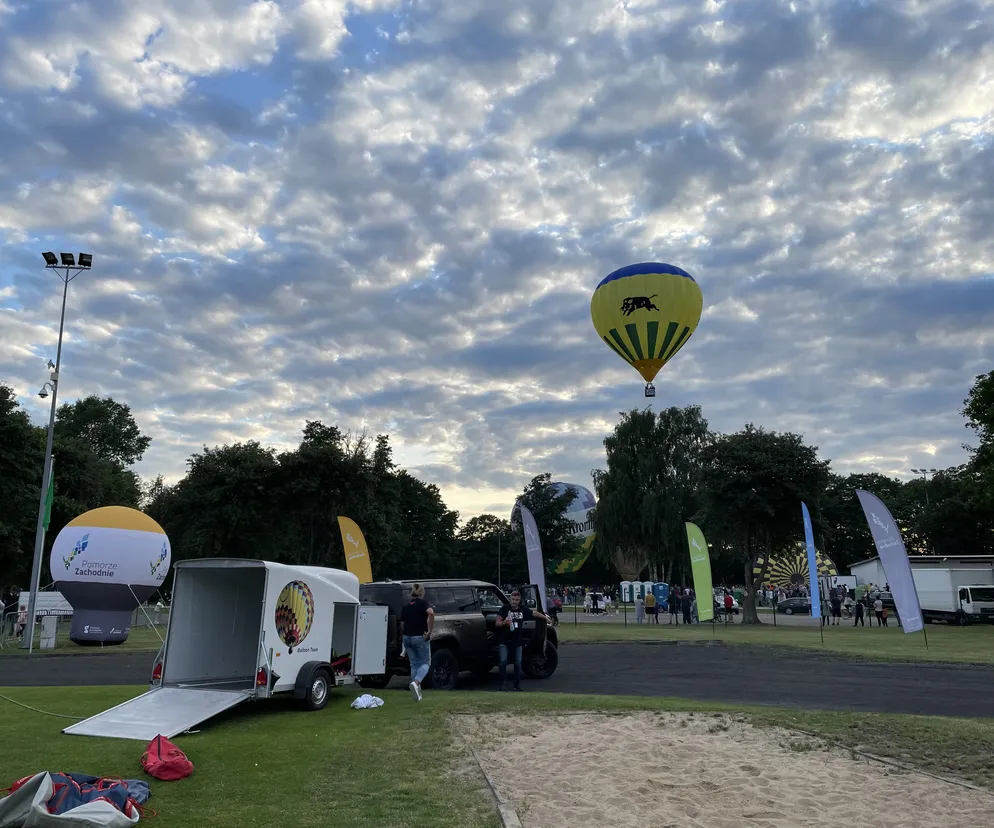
point(639, 609)
point(508, 623)
point(674, 602)
point(417, 620)
point(858, 614)
point(878, 610)
point(836, 609)
point(650, 606)
point(685, 603)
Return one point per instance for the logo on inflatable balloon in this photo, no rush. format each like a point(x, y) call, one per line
point(104, 563)
point(578, 514)
point(294, 614)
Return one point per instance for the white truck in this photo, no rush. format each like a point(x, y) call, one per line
point(955, 595)
point(245, 629)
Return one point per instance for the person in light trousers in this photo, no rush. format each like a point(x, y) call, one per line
point(417, 620)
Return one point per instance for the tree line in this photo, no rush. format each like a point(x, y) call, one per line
point(662, 469)
point(745, 491)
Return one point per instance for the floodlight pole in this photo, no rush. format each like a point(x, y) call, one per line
point(47, 470)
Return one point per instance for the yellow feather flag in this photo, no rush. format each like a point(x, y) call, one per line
point(356, 553)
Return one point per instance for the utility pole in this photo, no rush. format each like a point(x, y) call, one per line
point(67, 264)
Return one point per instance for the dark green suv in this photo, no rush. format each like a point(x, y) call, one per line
point(464, 637)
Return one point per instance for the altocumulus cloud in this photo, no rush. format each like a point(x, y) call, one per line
point(391, 214)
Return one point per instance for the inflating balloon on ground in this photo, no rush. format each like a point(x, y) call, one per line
point(105, 562)
point(646, 313)
point(581, 526)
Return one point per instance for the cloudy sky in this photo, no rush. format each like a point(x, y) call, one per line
point(391, 214)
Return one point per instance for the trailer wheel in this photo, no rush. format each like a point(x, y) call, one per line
point(319, 690)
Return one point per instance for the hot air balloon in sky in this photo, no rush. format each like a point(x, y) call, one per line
point(646, 313)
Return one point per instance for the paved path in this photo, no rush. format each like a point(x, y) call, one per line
point(738, 675)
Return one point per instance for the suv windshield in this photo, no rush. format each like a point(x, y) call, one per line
point(489, 598)
point(985, 594)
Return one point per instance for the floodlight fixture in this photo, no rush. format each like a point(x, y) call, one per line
point(50, 259)
point(68, 260)
point(85, 260)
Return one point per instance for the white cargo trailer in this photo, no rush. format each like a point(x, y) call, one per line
point(956, 595)
point(244, 629)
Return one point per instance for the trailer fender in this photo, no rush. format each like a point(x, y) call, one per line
point(306, 676)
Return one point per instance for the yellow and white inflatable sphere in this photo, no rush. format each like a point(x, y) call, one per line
point(111, 545)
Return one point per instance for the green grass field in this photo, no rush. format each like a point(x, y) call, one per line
point(399, 765)
point(973, 644)
point(141, 639)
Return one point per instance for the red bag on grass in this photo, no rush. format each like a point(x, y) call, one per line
point(165, 761)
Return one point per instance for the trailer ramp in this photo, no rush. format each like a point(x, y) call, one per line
point(164, 710)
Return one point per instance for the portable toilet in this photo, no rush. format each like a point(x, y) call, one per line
point(661, 591)
point(627, 596)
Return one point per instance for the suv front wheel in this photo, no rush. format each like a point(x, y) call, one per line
point(539, 666)
point(444, 673)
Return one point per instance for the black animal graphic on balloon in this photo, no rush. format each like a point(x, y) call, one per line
point(634, 303)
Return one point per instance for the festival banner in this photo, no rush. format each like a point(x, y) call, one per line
point(700, 566)
point(356, 553)
point(533, 546)
point(809, 539)
point(894, 558)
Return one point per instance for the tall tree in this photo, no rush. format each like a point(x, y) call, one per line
point(754, 482)
point(105, 426)
point(21, 455)
point(842, 530)
point(649, 488)
point(978, 408)
point(482, 545)
point(949, 514)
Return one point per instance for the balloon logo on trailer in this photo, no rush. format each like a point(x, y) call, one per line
point(294, 614)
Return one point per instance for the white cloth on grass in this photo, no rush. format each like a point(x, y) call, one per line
point(365, 701)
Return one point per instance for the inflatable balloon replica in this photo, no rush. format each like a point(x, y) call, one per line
point(581, 525)
point(105, 562)
point(646, 313)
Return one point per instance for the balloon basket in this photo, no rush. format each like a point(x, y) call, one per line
point(650, 389)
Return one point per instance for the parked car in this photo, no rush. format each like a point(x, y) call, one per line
point(795, 606)
point(464, 638)
point(719, 599)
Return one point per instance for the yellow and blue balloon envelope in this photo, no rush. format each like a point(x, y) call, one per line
point(646, 313)
point(294, 614)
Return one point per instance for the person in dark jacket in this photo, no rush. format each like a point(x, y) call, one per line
point(686, 602)
point(417, 620)
point(858, 614)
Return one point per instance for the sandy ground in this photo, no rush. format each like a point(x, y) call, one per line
point(649, 770)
